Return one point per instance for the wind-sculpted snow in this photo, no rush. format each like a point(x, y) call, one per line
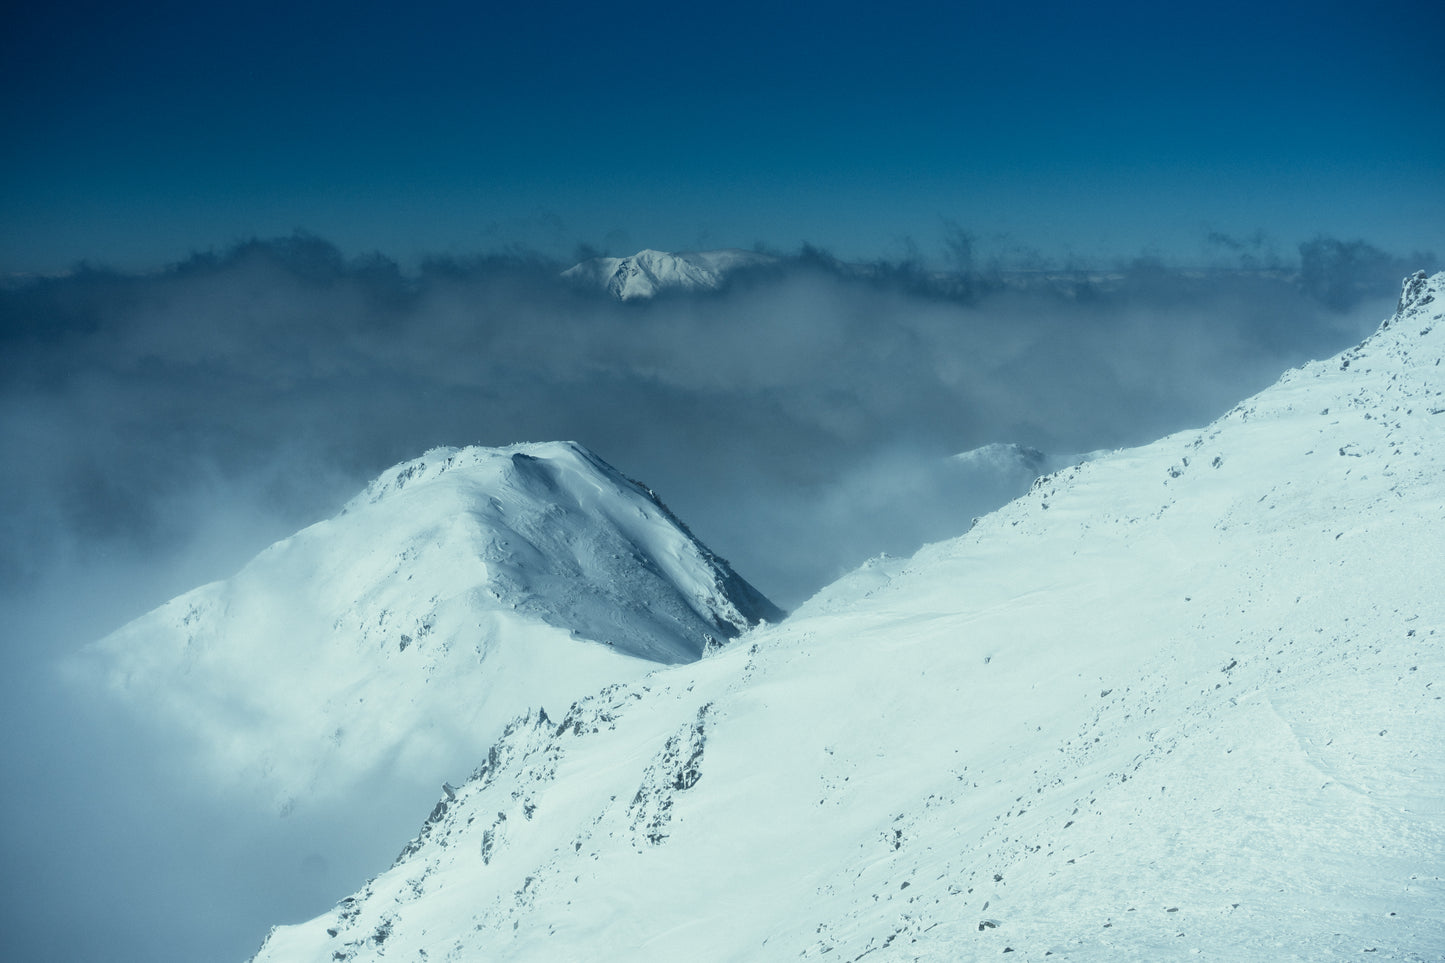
point(1182, 700)
point(457, 590)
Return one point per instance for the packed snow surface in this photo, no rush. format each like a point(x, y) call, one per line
point(1180, 701)
point(647, 273)
point(457, 590)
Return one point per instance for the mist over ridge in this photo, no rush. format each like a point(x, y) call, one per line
point(168, 425)
point(277, 376)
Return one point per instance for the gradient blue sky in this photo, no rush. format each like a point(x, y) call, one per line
point(136, 134)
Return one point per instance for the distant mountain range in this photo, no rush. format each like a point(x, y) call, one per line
point(1335, 274)
point(649, 273)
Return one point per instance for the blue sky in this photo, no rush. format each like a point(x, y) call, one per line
point(137, 135)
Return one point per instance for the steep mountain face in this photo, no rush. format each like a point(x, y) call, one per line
point(1180, 700)
point(648, 273)
point(455, 592)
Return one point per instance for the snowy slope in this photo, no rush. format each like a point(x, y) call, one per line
point(457, 590)
point(647, 273)
point(1183, 700)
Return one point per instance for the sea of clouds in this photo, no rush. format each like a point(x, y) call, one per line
point(160, 428)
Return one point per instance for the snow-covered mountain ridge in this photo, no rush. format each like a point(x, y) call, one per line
point(648, 273)
point(1183, 700)
point(454, 592)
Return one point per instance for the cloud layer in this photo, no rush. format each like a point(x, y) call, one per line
point(275, 378)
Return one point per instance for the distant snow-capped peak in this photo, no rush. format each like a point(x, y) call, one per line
point(456, 591)
point(648, 272)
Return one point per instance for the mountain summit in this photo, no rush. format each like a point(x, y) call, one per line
point(1182, 700)
point(648, 273)
point(455, 592)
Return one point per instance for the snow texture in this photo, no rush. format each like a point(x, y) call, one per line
point(1179, 701)
point(458, 590)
